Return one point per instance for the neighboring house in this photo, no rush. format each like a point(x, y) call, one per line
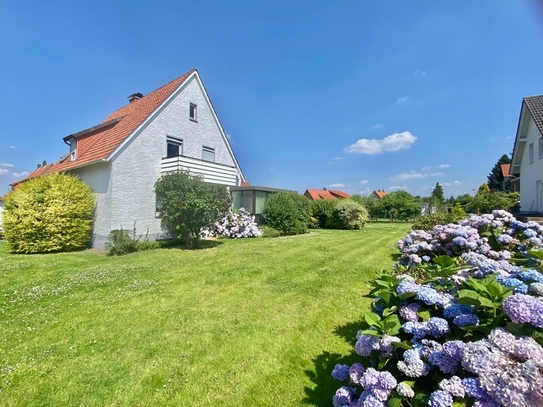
point(378, 194)
point(172, 128)
point(506, 174)
point(527, 161)
point(315, 194)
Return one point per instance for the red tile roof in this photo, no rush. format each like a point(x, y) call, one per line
point(98, 142)
point(315, 194)
point(506, 170)
point(380, 193)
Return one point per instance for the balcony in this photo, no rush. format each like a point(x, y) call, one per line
point(211, 172)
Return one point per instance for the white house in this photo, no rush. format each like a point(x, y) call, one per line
point(527, 161)
point(174, 127)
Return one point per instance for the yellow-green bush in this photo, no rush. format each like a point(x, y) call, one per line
point(48, 214)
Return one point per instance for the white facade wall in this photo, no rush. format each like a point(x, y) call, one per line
point(531, 172)
point(124, 187)
point(98, 177)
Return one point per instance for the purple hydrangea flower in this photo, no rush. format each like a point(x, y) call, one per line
point(524, 309)
point(405, 390)
point(412, 365)
point(343, 397)
point(453, 386)
point(465, 320)
point(409, 312)
point(355, 372)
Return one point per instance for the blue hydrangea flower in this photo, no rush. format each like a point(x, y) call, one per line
point(440, 398)
point(340, 372)
point(457, 309)
point(465, 320)
point(453, 386)
point(343, 397)
point(531, 276)
point(412, 365)
point(409, 312)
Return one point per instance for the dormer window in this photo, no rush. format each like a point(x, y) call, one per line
point(73, 149)
point(193, 114)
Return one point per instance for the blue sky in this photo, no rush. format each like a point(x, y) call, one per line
point(349, 95)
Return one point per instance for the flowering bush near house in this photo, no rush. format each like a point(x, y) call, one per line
point(236, 224)
point(470, 335)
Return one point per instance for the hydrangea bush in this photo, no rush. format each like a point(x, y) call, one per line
point(497, 236)
point(236, 224)
point(471, 335)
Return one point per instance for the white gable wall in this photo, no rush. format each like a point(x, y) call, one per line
point(531, 173)
point(135, 167)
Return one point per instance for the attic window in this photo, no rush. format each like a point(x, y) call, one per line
point(208, 154)
point(73, 149)
point(193, 112)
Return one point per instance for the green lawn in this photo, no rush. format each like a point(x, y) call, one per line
point(252, 322)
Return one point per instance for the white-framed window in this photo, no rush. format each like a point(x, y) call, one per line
point(531, 152)
point(193, 112)
point(540, 147)
point(174, 147)
point(73, 149)
point(208, 154)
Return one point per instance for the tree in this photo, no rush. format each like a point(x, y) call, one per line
point(370, 204)
point(399, 205)
point(287, 212)
point(51, 213)
point(495, 178)
point(437, 198)
point(487, 202)
point(187, 204)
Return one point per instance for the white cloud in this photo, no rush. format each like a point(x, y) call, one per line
point(6, 165)
point(404, 176)
point(336, 185)
point(364, 181)
point(13, 147)
point(428, 168)
point(443, 166)
point(20, 174)
point(403, 99)
point(229, 137)
point(337, 158)
point(366, 192)
point(376, 126)
point(3, 171)
point(451, 184)
point(394, 142)
point(397, 187)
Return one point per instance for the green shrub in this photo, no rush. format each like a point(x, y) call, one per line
point(121, 242)
point(269, 232)
point(324, 212)
point(188, 204)
point(351, 214)
point(428, 222)
point(287, 212)
point(51, 213)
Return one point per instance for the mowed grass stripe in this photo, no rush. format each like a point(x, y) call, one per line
point(237, 323)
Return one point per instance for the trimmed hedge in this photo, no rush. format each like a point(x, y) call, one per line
point(51, 213)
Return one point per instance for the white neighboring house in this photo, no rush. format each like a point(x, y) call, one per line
point(172, 128)
point(527, 161)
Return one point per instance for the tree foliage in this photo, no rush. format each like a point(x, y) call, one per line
point(489, 201)
point(187, 204)
point(51, 213)
point(495, 178)
point(324, 211)
point(438, 197)
point(287, 212)
point(398, 205)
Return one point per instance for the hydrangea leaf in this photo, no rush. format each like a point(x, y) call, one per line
point(394, 402)
point(468, 297)
point(373, 319)
point(444, 261)
point(425, 315)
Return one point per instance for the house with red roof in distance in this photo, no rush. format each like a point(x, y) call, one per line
point(175, 127)
point(378, 194)
point(506, 174)
point(316, 194)
point(527, 161)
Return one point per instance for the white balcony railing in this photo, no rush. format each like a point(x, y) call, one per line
point(211, 172)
